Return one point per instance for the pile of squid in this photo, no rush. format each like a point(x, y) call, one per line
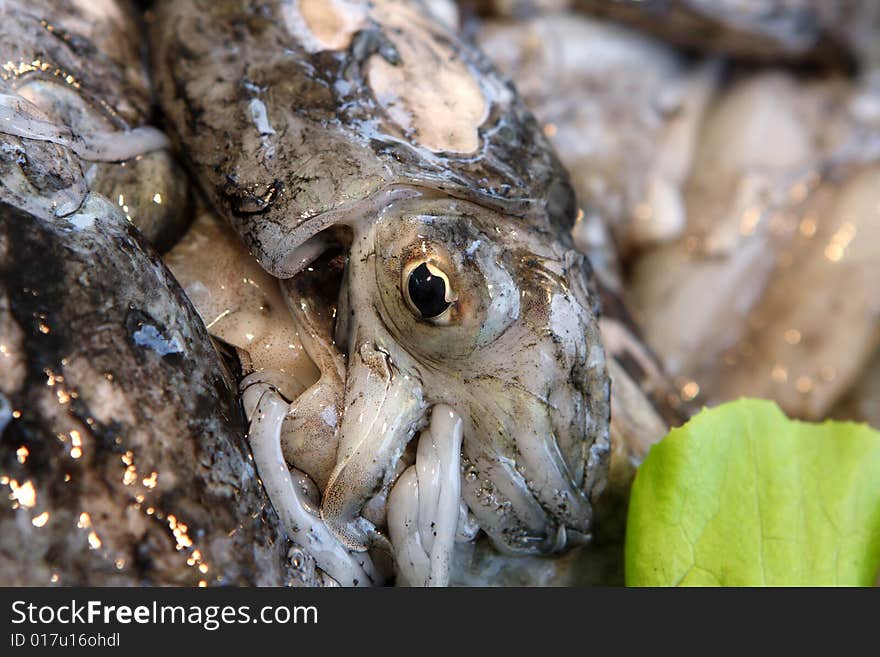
point(400, 292)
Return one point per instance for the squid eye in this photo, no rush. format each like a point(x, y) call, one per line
point(427, 290)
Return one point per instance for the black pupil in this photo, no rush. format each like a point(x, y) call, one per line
point(427, 292)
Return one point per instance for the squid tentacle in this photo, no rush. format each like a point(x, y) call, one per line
point(424, 507)
point(298, 515)
point(23, 119)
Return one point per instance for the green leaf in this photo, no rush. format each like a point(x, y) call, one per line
point(743, 496)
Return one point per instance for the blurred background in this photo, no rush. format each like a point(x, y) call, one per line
point(725, 156)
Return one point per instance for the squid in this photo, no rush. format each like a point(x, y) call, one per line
point(419, 224)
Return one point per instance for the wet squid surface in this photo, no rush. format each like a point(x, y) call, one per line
point(73, 75)
point(417, 318)
point(373, 131)
point(123, 455)
point(123, 459)
point(292, 113)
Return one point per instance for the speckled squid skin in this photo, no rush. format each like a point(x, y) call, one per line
point(298, 117)
point(524, 366)
point(80, 65)
point(93, 48)
point(122, 456)
point(285, 129)
point(115, 411)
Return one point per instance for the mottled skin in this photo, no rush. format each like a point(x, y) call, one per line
point(122, 458)
point(79, 65)
point(98, 46)
point(524, 366)
point(290, 131)
point(331, 144)
point(126, 414)
point(625, 128)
